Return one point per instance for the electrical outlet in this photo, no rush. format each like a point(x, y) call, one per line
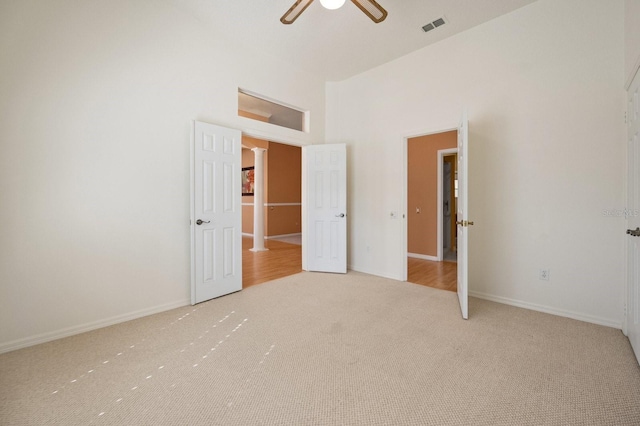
point(544, 274)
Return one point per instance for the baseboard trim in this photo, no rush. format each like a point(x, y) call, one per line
point(270, 237)
point(71, 331)
point(356, 268)
point(547, 310)
point(423, 257)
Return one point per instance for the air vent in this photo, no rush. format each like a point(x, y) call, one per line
point(438, 22)
point(428, 28)
point(434, 24)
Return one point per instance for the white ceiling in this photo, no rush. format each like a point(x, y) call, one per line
point(338, 44)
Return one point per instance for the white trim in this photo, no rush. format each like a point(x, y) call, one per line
point(434, 131)
point(268, 99)
point(82, 328)
point(441, 154)
point(632, 76)
point(548, 310)
point(368, 271)
point(404, 271)
point(270, 237)
point(192, 217)
point(258, 200)
point(274, 204)
point(423, 257)
point(304, 209)
point(272, 137)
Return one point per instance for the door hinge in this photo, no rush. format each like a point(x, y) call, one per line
point(464, 223)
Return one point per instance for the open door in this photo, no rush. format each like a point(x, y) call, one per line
point(462, 218)
point(324, 175)
point(216, 212)
point(633, 219)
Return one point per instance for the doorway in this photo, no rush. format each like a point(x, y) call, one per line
point(448, 206)
point(282, 213)
point(431, 210)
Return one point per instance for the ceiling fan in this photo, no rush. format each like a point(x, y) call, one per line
point(371, 8)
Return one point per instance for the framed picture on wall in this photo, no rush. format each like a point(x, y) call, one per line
point(247, 180)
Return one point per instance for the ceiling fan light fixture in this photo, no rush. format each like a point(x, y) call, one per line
point(332, 4)
point(371, 8)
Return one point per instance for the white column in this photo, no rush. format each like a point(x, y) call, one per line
point(258, 200)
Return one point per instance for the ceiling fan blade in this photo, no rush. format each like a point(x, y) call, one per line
point(292, 14)
point(372, 9)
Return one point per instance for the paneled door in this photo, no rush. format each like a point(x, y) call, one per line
point(462, 219)
point(325, 210)
point(216, 214)
point(632, 213)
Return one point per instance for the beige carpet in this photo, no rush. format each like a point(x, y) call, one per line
point(321, 349)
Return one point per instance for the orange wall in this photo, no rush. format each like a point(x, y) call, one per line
point(284, 169)
point(282, 180)
point(422, 190)
point(283, 220)
point(285, 172)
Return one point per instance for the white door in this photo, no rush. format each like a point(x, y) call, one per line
point(216, 215)
point(462, 218)
point(325, 215)
point(633, 217)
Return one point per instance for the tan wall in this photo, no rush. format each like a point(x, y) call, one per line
point(247, 218)
point(284, 169)
point(422, 191)
point(282, 181)
point(283, 220)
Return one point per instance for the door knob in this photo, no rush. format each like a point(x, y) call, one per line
point(340, 215)
point(634, 233)
point(200, 221)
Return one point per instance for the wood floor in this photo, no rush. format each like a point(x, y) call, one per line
point(281, 260)
point(441, 275)
point(284, 259)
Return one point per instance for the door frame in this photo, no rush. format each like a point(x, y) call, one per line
point(441, 154)
point(405, 188)
point(271, 137)
point(628, 293)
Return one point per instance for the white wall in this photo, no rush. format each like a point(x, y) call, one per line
point(632, 38)
point(544, 87)
point(96, 103)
